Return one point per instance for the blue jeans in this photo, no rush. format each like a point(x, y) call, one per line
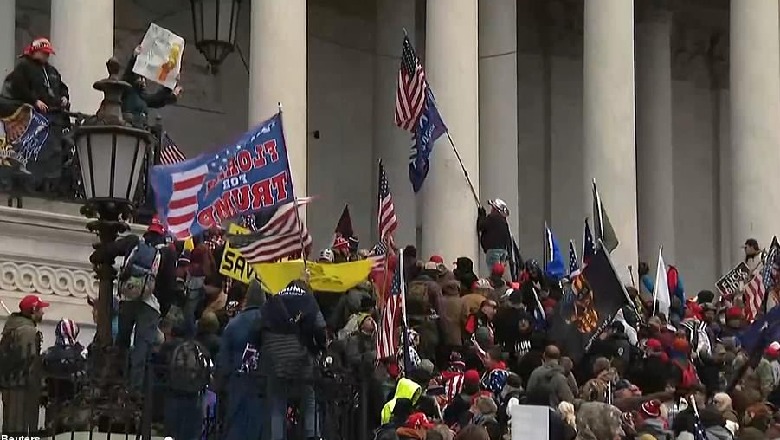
point(245, 409)
point(493, 256)
point(145, 320)
point(183, 416)
point(277, 398)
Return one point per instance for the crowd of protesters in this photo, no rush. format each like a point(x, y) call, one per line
point(477, 348)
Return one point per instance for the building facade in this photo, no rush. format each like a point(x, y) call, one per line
point(671, 106)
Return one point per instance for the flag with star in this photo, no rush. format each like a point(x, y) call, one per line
point(574, 265)
point(248, 176)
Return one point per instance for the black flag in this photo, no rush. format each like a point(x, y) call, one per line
point(589, 305)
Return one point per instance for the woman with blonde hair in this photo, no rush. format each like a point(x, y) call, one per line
point(568, 414)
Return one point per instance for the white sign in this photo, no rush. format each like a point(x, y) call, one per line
point(160, 57)
point(529, 422)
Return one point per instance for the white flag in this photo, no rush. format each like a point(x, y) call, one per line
point(661, 289)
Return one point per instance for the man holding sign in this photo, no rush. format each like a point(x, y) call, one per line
point(137, 101)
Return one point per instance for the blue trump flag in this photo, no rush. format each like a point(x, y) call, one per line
point(429, 128)
point(759, 334)
point(23, 135)
point(554, 265)
point(244, 178)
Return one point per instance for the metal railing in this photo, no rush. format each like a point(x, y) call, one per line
point(63, 395)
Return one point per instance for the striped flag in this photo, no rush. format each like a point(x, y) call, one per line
point(387, 222)
point(183, 204)
point(387, 339)
point(574, 266)
point(169, 152)
point(753, 296)
point(279, 237)
point(410, 96)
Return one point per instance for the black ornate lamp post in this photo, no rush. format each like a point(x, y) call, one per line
point(215, 23)
point(111, 154)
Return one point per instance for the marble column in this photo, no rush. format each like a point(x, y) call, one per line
point(654, 151)
point(391, 144)
point(7, 37)
point(608, 125)
point(498, 138)
point(448, 210)
point(82, 33)
point(755, 112)
point(277, 73)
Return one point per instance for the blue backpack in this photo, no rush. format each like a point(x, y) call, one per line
point(139, 272)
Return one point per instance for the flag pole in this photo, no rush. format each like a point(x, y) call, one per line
point(465, 172)
point(404, 323)
point(305, 273)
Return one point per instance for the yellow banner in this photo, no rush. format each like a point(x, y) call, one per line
point(233, 265)
point(276, 276)
point(325, 277)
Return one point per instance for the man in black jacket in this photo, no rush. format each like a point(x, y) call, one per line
point(292, 333)
point(141, 316)
point(494, 236)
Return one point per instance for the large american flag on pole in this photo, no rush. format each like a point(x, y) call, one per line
point(283, 235)
point(387, 339)
point(410, 96)
point(387, 222)
point(169, 152)
point(759, 290)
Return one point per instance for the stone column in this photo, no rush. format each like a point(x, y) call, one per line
point(498, 138)
point(608, 126)
point(755, 112)
point(391, 144)
point(655, 160)
point(82, 33)
point(277, 73)
point(448, 210)
point(7, 37)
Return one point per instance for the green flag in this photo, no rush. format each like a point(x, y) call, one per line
point(603, 227)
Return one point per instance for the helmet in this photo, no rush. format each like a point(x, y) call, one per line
point(500, 206)
point(326, 255)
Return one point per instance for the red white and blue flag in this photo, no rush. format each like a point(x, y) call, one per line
point(574, 265)
point(246, 177)
point(387, 222)
point(393, 313)
point(169, 152)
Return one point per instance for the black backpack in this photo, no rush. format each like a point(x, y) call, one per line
point(189, 368)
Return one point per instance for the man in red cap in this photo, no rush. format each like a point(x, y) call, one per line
point(147, 288)
point(36, 82)
point(20, 373)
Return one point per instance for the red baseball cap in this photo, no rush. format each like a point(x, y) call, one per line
point(40, 44)
point(436, 259)
point(32, 302)
point(418, 420)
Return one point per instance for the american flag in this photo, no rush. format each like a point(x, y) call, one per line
point(763, 283)
point(183, 206)
point(279, 237)
point(387, 222)
point(410, 96)
point(169, 152)
point(378, 257)
point(753, 296)
point(387, 338)
point(574, 266)
point(588, 246)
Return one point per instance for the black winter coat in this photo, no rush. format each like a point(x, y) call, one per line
point(31, 81)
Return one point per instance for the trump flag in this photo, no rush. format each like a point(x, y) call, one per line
point(202, 192)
